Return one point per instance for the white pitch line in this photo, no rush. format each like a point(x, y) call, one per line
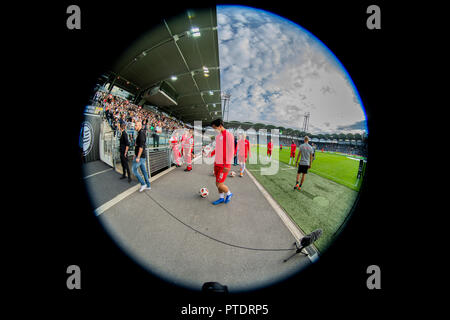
point(116, 199)
point(292, 227)
point(97, 173)
point(126, 193)
point(288, 222)
point(131, 190)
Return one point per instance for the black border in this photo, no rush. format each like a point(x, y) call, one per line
point(68, 63)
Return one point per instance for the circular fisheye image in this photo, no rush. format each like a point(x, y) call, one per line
point(226, 145)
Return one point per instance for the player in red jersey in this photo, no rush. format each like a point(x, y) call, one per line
point(187, 144)
point(175, 144)
point(292, 156)
point(224, 152)
point(243, 152)
point(269, 150)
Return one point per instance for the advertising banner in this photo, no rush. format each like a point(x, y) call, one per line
point(89, 138)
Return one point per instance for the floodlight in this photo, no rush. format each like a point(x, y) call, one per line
point(195, 32)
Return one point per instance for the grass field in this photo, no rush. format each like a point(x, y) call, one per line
point(327, 195)
point(336, 167)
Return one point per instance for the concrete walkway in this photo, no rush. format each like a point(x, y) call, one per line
point(183, 238)
point(103, 183)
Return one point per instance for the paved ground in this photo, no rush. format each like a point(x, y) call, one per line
point(181, 237)
point(103, 183)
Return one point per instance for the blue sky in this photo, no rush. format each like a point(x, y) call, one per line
point(275, 72)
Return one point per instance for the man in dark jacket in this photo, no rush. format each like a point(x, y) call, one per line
point(139, 158)
point(123, 147)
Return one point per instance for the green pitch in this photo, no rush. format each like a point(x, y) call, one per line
point(327, 196)
point(339, 168)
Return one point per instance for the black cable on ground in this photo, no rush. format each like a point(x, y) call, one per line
point(212, 238)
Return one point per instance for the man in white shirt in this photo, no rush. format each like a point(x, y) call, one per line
point(306, 152)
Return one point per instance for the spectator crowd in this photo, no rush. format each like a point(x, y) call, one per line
point(118, 110)
point(347, 149)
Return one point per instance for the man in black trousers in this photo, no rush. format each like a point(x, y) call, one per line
point(124, 145)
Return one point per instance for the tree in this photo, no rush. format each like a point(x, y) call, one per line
point(258, 126)
point(282, 130)
point(247, 125)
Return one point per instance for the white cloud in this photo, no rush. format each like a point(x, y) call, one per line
point(222, 19)
point(226, 33)
point(275, 72)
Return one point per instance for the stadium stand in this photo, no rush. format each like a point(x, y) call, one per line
point(117, 110)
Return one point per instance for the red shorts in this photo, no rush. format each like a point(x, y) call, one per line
point(269, 151)
point(292, 154)
point(220, 175)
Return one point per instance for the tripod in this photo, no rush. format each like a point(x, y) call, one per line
point(304, 242)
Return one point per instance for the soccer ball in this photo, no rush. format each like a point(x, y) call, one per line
point(204, 192)
point(232, 173)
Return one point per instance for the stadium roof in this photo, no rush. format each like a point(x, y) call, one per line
point(179, 57)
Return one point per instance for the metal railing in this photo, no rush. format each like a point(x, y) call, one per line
point(157, 158)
